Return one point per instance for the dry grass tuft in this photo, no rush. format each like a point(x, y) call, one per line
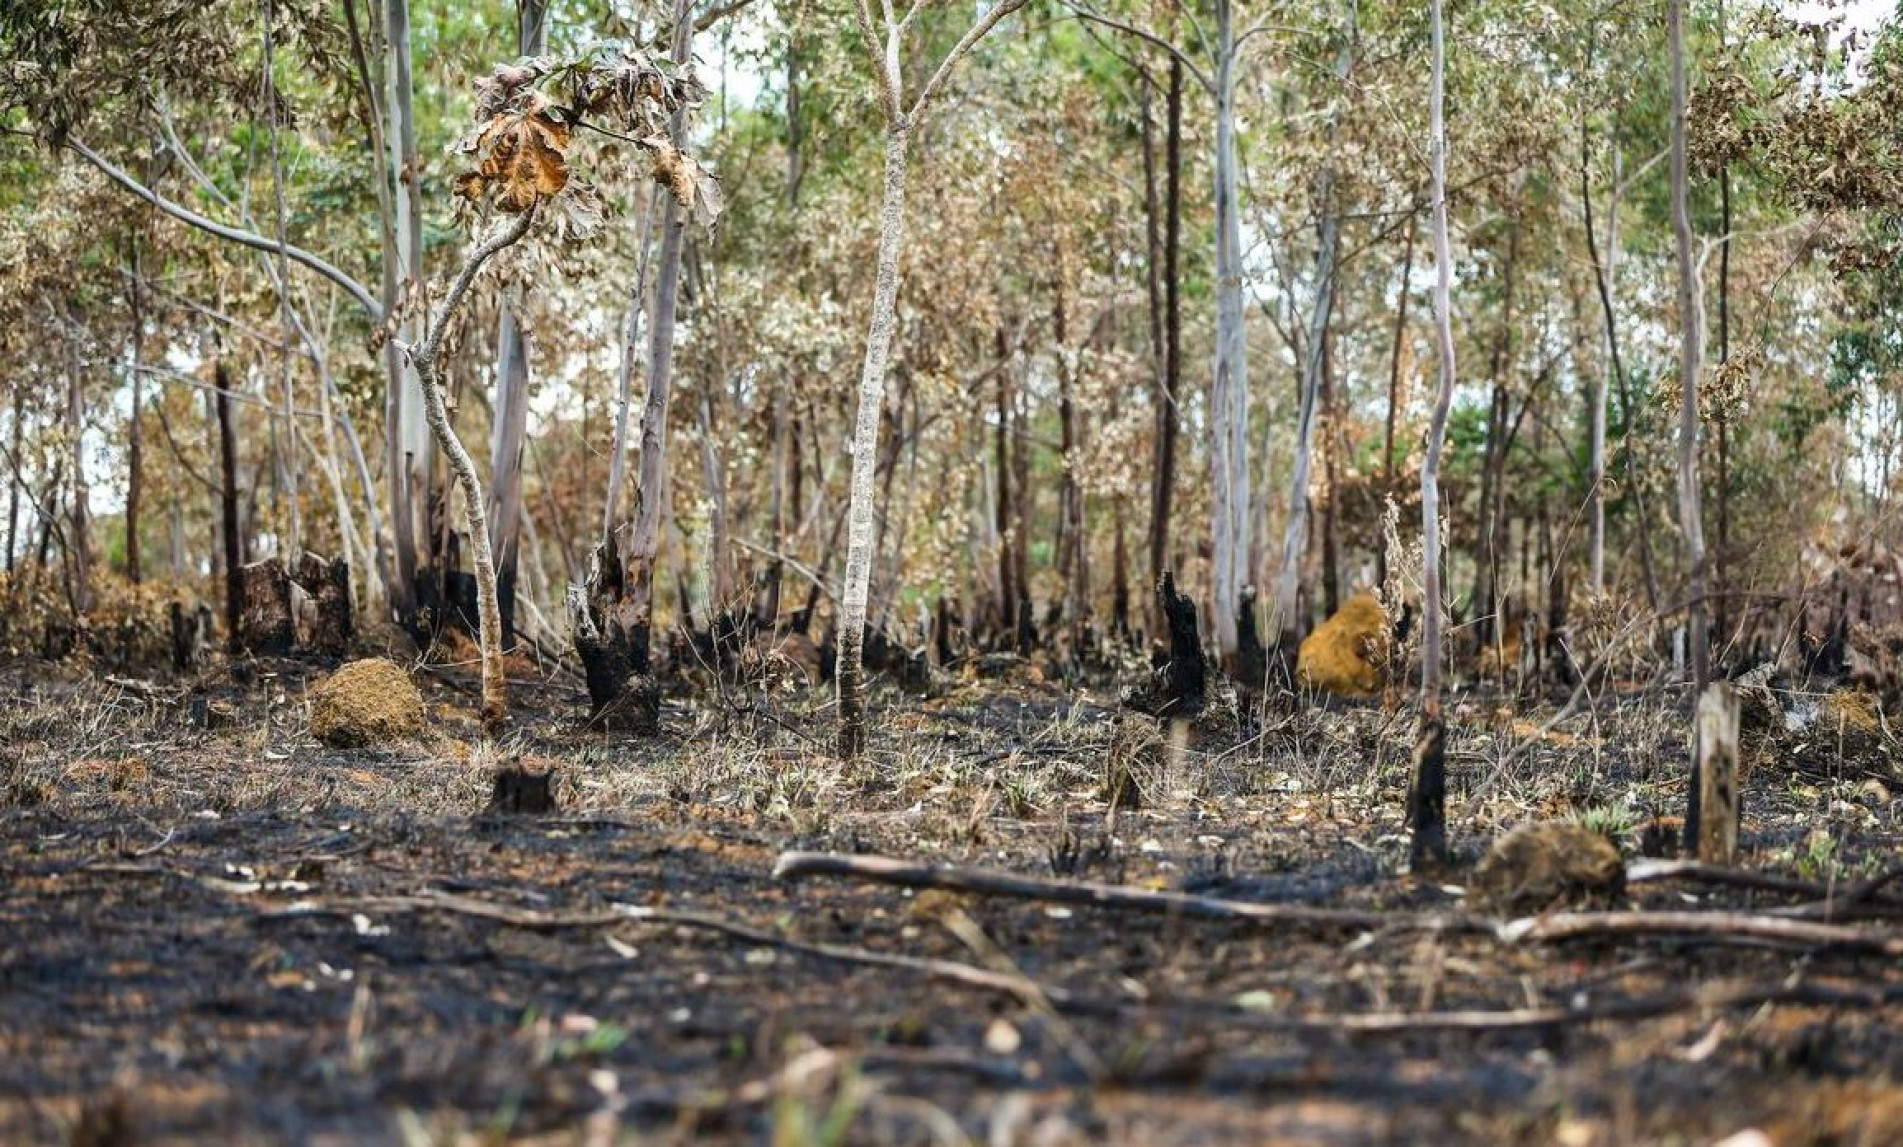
point(366, 703)
point(1344, 654)
point(1540, 865)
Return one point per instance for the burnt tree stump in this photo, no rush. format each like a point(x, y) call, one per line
point(522, 790)
point(1179, 684)
point(266, 624)
point(1184, 680)
point(191, 633)
point(1427, 796)
point(328, 585)
point(613, 646)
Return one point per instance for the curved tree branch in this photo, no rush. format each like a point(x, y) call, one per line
point(1091, 15)
point(977, 32)
point(184, 214)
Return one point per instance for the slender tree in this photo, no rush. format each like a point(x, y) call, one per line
point(1690, 348)
point(885, 45)
point(425, 358)
point(1427, 791)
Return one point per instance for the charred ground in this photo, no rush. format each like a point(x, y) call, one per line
point(221, 933)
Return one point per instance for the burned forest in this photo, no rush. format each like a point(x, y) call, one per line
point(1027, 572)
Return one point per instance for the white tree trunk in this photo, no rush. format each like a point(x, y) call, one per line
point(1690, 352)
point(1691, 345)
point(1295, 536)
point(865, 443)
point(630, 356)
point(408, 435)
point(1431, 641)
point(1427, 787)
point(652, 493)
point(1229, 393)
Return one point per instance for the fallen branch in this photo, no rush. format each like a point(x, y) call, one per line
point(1832, 901)
point(528, 919)
point(990, 882)
point(1071, 1002)
point(1721, 926)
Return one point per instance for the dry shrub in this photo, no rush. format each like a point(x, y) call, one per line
point(780, 662)
point(129, 626)
point(366, 703)
point(1537, 866)
point(1345, 653)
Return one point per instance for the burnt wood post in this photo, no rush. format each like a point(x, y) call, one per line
point(1715, 749)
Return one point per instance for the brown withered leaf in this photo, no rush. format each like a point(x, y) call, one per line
point(523, 158)
point(693, 186)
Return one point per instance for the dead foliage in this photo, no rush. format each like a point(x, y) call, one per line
point(1541, 866)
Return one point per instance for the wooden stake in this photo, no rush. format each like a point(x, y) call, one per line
point(1716, 747)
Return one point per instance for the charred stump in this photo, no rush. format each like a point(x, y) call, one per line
point(522, 790)
point(1178, 686)
point(1252, 660)
point(266, 623)
point(944, 621)
point(1427, 795)
point(191, 629)
point(611, 638)
point(328, 585)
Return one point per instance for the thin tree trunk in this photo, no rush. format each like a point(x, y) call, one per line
point(1721, 556)
point(1331, 453)
point(79, 541)
point(644, 542)
point(294, 528)
point(1229, 405)
point(1170, 383)
point(785, 444)
point(630, 350)
point(1602, 385)
point(852, 620)
point(409, 461)
point(507, 432)
point(511, 406)
point(1072, 554)
point(1394, 385)
point(850, 673)
point(396, 565)
point(1493, 513)
point(135, 445)
point(714, 474)
point(1007, 541)
point(1690, 347)
point(1288, 623)
point(1427, 793)
point(14, 487)
point(1603, 278)
point(424, 359)
point(228, 506)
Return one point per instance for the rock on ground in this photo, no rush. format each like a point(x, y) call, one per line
point(366, 703)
